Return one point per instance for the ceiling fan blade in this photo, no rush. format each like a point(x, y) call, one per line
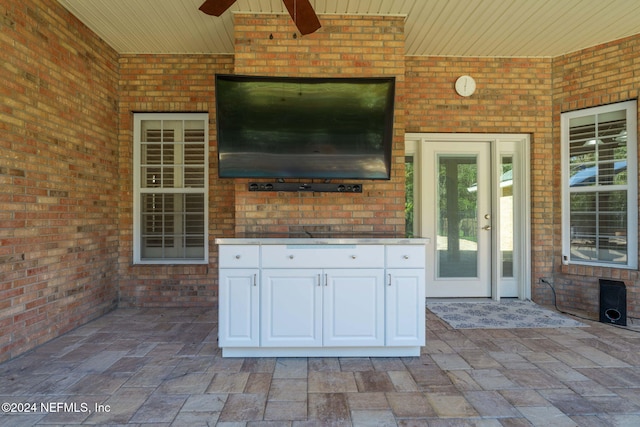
point(303, 15)
point(216, 7)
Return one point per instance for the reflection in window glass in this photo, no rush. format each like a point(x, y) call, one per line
point(597, 198)
point(506, 216)
point(457, 234)
point(409, 207)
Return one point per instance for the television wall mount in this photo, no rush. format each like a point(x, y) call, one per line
point(315, 187)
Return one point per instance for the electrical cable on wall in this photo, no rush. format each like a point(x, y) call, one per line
point(555, 304)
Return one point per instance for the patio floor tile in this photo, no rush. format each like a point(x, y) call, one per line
point(163, 367)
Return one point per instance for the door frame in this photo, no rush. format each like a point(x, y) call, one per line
point(516, 145)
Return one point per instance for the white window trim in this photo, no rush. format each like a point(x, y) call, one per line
point(137, 226)
point(632, 185)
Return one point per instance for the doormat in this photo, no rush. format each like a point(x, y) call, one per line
point(499, 315)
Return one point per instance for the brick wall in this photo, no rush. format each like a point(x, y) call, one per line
point(513, 95)
point(170, 83)
point(360, 46)
point(591, 77)
point(66, 153)
point(58, 174)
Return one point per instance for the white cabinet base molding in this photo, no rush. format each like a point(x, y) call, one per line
point(321, 298)
point(321, 351)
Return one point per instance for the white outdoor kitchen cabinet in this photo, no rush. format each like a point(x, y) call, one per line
point(321, 297)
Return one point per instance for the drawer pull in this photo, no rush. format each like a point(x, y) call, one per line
point(406, 257)
point(353, 257)
point(237, 256)
point(291, 256)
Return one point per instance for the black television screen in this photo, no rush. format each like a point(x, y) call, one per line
point(285, 127)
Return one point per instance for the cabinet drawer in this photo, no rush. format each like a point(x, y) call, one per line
point(405, 256)
point(322, 256)
point(239, 256)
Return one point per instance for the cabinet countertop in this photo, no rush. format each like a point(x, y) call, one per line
point(322, 241)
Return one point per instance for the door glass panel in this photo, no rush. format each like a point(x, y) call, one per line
point(457, 224)
point(506, 216)
point(409, 205)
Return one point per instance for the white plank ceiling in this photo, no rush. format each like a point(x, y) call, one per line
point(506, 28)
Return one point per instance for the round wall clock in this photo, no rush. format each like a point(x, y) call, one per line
point(465, 85)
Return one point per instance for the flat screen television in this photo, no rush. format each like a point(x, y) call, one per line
point(289, 127)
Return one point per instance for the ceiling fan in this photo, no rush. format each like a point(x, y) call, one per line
point(301, 11)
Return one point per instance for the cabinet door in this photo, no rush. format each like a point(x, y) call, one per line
point(238, 308)
point(353, 312)
point(405, 307)
point(291, 304)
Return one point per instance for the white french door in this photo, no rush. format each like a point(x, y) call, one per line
point(458, 183)
point(472, 193)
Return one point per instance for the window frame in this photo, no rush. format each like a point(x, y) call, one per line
point(139, 191)
point(631, 186)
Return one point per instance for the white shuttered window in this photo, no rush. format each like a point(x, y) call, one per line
point(599, 175)
point(170, 182)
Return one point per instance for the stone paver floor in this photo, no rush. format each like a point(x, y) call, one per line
point(162, 367)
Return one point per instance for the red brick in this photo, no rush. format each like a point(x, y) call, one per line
point(66, 130)
point(344, 47)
